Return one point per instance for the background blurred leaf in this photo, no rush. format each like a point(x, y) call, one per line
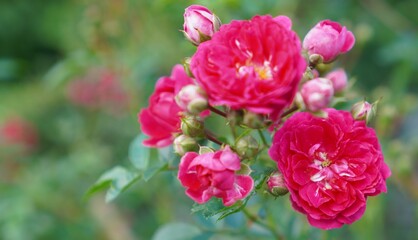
point(176, 231)
point(139, 154)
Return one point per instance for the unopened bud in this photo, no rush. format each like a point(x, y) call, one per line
point(338, 78)
point(192, 127)
point(186, 65)
point(247, 147)
point(200, 24)
point(192, 99)
point(317, 94)
point(363, 111)
point(253, 120)
point(276, 185)
point(315, 59)
point(183, 144)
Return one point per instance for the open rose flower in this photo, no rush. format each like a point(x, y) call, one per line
point(254, 65)
point(328, 39)
point(213, 174)
point(330, 166)
point(161, 119)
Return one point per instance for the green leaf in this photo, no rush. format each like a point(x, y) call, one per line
point(116, 180)
point(139, 155)
point(176, 231)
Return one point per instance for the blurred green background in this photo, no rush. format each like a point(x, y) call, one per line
point(48, 47)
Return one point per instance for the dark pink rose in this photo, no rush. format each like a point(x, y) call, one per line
point(330, 166)
point(161, 119)
point(213, 174)
point(328, 39)
point(254, 65)
point(199, 24)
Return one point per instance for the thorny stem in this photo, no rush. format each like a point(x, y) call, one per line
point(257, 220)
point(289, 111)
point(217, 111)
point(263, 139)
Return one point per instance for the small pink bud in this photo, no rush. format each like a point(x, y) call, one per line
point(200, 24)
point(328, 39)
point(276, 185)
point(317, 94)
point(192, 99)
point(363, 110)
point(338, 78)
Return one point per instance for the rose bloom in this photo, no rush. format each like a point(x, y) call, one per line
point(330, 166)
point(254, 65)
point(161, 119)
point(213, 174)
point(328, 39)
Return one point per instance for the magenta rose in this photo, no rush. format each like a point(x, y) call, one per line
point(328, 39)
point(213, 174)
point(254, 65)
point(161, 119)
point(330, 166)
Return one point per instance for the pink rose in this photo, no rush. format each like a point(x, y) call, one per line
point(317, 94)
point(199, 24)
point(213, 174)
point(161, 119)
point(338, 78)
point(330, 166)
point(254, 65)
point(328, 39)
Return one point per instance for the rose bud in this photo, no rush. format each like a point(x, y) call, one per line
point(192, 99)
point(192, 127)
point(247, 147)
point(200, 24)
point(276, 185)
point(328, 39)
point(183, 144)
point(363, 111)
point(317, 94)
point(338, 78)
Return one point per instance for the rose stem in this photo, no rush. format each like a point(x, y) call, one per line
point(212, 138)
point(257, 220)
point(289, 111)
point(217, 111)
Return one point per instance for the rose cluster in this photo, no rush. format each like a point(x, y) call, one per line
point(258, 75)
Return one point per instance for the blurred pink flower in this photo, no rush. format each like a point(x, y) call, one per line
point(213, 175)
point(330, 166)
point(254, 65)
point(328, 39)
point(338, 78)
point(17, 132)
point(99, 89)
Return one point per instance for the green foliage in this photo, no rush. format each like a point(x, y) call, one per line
point(176, 231)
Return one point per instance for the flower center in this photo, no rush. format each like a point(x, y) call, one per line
point(262, 72)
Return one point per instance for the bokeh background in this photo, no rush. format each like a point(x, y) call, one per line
point(74, 74)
